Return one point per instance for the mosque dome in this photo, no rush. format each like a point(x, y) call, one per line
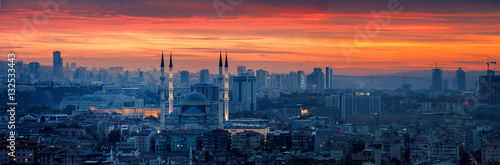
point(195, 96)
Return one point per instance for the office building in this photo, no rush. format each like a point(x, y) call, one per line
point(329, 78)
point(460, 80)
point(489, 89)
point(359, 104)
point(250, 72)
point(301, 78)
point(293, 82)
point(437, 79)
point(262, 79)
point(73, 65)
point(204, 76)
point(57, 65)
point(34, 66)
point(244, 92)
point(242, 70)
point(184, 78)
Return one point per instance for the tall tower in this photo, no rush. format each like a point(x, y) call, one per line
point(170, 86)
point(437, 79)
point(220, 82)
point(226, 91)
point(377, 143)
point(162, 93)
point(57, 65)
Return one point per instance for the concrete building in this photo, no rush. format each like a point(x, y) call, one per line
point(245, 92)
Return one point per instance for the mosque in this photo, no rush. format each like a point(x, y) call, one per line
point(195, 112)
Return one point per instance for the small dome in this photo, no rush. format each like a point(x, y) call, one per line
point(193, 110)
point(195, 96)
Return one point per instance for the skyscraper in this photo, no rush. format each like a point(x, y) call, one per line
point(185, 78)
point(329, 78)
point(460, 80)
point(73, 65)
point(489, 89)
point(262, 79)
point(34, 66)
point(301, 78)
point(437, 79)
point(244, 92)
point(316, 79)
point(250, 72)
point(57, 65)
point(293, 82)
point(204, 76)
point(242, 70)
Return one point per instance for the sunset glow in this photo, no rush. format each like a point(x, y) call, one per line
point(277, 36)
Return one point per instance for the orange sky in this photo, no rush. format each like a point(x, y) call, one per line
point(278, 36)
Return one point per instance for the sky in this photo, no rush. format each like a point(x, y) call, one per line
point(354, 37)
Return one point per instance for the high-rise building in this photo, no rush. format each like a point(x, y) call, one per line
point(320, 79)
point(293, 81)
point(57, 65)
point(301, 78)
point(242, 70)
point(489, 89)
point(34, 66)
point(67, 66)
point(244, 92)
point(460, 80)
point(437, 79)
point(262, 79)
point(204, 76)
point(445, 85)
point(185, 78)
point(19, 69)
point(250, 72)
point(73, 65)
point(316, 79)
point(141, 76)
point(359, 104)
point(329, 78)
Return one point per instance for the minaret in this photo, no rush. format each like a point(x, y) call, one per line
point(378, 143)
point(190, 156)
point(170, 86)
point(226, 91)
point(221, 90)
point(162, 94)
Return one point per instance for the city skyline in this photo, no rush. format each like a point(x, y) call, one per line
point(464, 35)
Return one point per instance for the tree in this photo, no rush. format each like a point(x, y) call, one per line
point(115, 113)
point(69, 109)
